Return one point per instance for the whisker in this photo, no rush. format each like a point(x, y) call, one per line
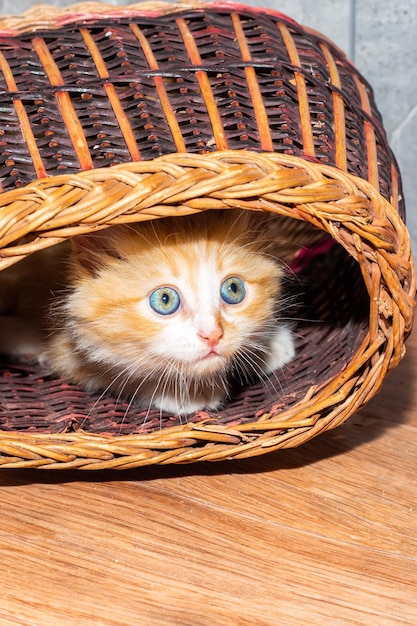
point(103, 393)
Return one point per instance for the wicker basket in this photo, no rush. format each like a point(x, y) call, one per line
point(113, 115)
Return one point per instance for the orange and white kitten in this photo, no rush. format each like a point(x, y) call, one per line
point(166, 312)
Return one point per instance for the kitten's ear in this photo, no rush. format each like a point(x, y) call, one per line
point(90, 251)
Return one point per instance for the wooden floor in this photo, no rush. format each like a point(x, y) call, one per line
point(324, 534)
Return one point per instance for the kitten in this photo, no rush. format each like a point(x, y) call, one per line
point(166, 312)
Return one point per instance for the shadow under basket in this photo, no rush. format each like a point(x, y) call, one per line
point(120, 114)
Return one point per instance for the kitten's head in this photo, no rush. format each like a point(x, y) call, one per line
point(185, 297)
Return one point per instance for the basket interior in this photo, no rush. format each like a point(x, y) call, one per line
point(330, 317)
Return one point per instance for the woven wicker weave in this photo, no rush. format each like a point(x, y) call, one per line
point(111, 115)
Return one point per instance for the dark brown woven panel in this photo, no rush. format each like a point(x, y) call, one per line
point(115, 71)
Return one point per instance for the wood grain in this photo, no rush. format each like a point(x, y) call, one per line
point(324, 534)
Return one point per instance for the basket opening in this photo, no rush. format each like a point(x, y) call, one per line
point(330, 318)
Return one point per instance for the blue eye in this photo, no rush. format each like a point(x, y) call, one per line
point(233, 290)
point(164, 300)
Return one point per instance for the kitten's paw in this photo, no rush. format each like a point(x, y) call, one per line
point(173, 406)
point(281, 349)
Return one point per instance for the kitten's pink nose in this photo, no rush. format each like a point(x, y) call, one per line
point(212, 336)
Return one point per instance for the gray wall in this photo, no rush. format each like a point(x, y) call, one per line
point(380, 36)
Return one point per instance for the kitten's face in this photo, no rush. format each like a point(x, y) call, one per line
point(194, 304)
point(191, 303)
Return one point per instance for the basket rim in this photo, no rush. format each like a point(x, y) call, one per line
point(338, 207)
point(304, 186)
